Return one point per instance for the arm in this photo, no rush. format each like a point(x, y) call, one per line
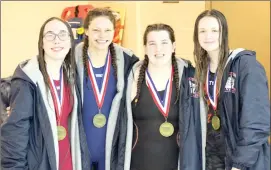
point(15, 132)
point(254, 116)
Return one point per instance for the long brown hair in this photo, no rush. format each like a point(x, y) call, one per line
point(69, 61)
point(200, 55)
point(92, 14)
point(158, 27)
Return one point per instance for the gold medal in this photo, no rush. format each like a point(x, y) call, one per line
point(61, 133)
point(166, 129)
point(99, 120)
point(215, 122)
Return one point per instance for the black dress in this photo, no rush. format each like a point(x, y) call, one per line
point(152, 150)
point(215, 145)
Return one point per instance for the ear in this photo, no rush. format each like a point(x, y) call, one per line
point(86, 32)
point(145, 48)
point(174, 47)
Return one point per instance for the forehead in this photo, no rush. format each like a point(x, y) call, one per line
point(158, 35)
point(208, 22)
point(55, 26)
point(101, 22)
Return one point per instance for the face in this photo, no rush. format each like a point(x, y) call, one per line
point(56, 40)
point(209, 33)
point(159, 47)
point(100, 33)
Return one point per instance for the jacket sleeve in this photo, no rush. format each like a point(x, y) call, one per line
point(254, 115)
point(190, 127)
point(15, 131)
point(132, 60)
point(196, 162)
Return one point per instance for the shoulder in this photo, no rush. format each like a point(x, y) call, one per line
point(126, 51)
point(246, 67)
point(188, 68)
point(136, 69)
point(20, 85)
point(247, 62)
point(78, 52)
point(128, 56)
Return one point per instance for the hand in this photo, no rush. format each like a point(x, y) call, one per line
point(8, 110)
point(234, 168)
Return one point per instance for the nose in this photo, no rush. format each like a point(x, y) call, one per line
point(209, 35)
point(57, 40)
point(158, 48)
point(102, 34)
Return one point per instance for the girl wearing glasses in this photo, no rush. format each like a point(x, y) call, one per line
point(102, 69)
point(42, 131)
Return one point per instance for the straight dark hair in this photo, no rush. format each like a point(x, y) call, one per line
point(69, 64)
point(200, 55)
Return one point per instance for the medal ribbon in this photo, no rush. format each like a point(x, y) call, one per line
point(99, 95)
point(58, 102)
point(163, 105)
point(213, 101)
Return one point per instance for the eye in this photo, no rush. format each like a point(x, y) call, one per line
point(164, 42)
point(49, 36)
point(63, 34)
point(214, 30)
point(95, 30)
point(108, 30)
point(201, 31)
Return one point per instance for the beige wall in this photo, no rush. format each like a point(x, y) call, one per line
point(180, 16)
point(249, 27)
point(21, 21)
point(20, 25)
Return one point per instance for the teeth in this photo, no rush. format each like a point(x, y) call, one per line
point(57, 48)
point(101, 41)
point(159, 55)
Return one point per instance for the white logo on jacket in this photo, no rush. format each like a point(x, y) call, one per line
point(193, 87)
point(229, 87)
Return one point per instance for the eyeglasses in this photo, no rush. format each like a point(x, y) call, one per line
point(63, 36)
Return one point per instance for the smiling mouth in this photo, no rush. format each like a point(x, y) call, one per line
point(101, 41)
point(57, 49)
point(159, 55)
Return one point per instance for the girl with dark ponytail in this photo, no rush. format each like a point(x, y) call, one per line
point(161, 122)
point(102, 68)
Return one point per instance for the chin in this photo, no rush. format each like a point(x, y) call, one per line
point(159, 62)
point(102, 47)
point(210, 49)
point(58, 57)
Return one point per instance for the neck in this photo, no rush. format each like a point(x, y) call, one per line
point(214, 60)
point(53, 67)
point(97, 57)
point(97, 54)
point(160, 70)
point(160, 75)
